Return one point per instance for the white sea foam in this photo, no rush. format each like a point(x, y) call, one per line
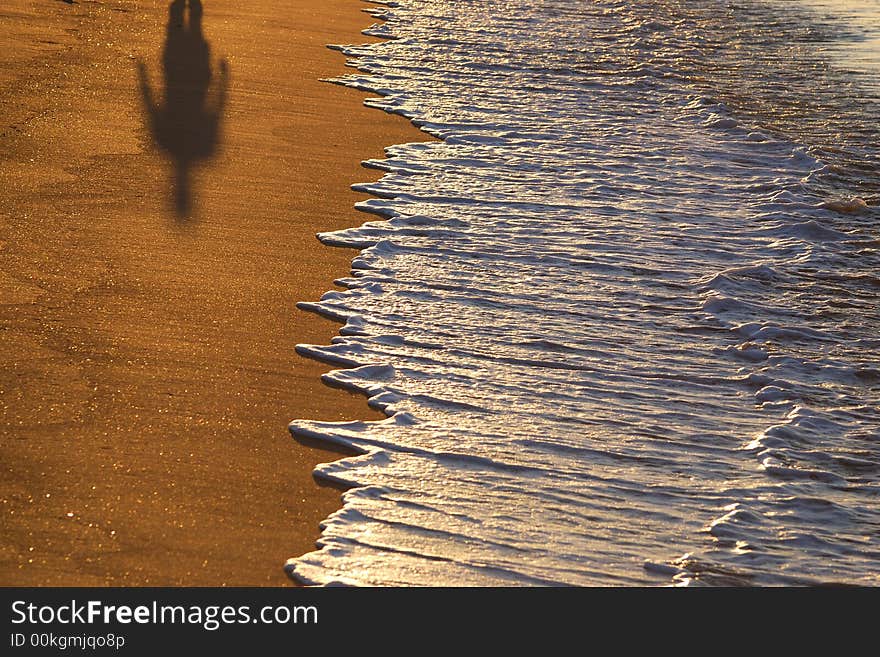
point(610, 321)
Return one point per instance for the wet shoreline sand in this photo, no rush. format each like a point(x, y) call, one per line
point(148, 363)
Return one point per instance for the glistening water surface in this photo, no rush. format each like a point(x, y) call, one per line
point(624, 317)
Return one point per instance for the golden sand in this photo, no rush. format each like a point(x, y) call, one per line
point(157, 218)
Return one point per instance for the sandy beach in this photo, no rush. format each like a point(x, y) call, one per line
point(160, 191)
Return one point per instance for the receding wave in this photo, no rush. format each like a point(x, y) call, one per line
point(623, 319)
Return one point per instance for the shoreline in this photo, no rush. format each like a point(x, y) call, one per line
point(149, 370)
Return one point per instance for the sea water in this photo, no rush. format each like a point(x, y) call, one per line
point(624, 319)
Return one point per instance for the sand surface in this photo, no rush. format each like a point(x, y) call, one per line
point(157, 217)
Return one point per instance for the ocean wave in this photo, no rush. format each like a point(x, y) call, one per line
point(613, 318)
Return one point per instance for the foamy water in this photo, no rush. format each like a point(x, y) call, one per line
point(624, 318)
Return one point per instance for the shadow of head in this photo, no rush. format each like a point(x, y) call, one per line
point(185, 125)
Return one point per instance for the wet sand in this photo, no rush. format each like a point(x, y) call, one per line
point(149, 271)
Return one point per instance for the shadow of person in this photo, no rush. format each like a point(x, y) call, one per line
point(187, 125)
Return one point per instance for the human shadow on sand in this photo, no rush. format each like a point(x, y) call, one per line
point(187, 125)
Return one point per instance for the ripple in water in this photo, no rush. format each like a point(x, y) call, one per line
point(623, 318)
